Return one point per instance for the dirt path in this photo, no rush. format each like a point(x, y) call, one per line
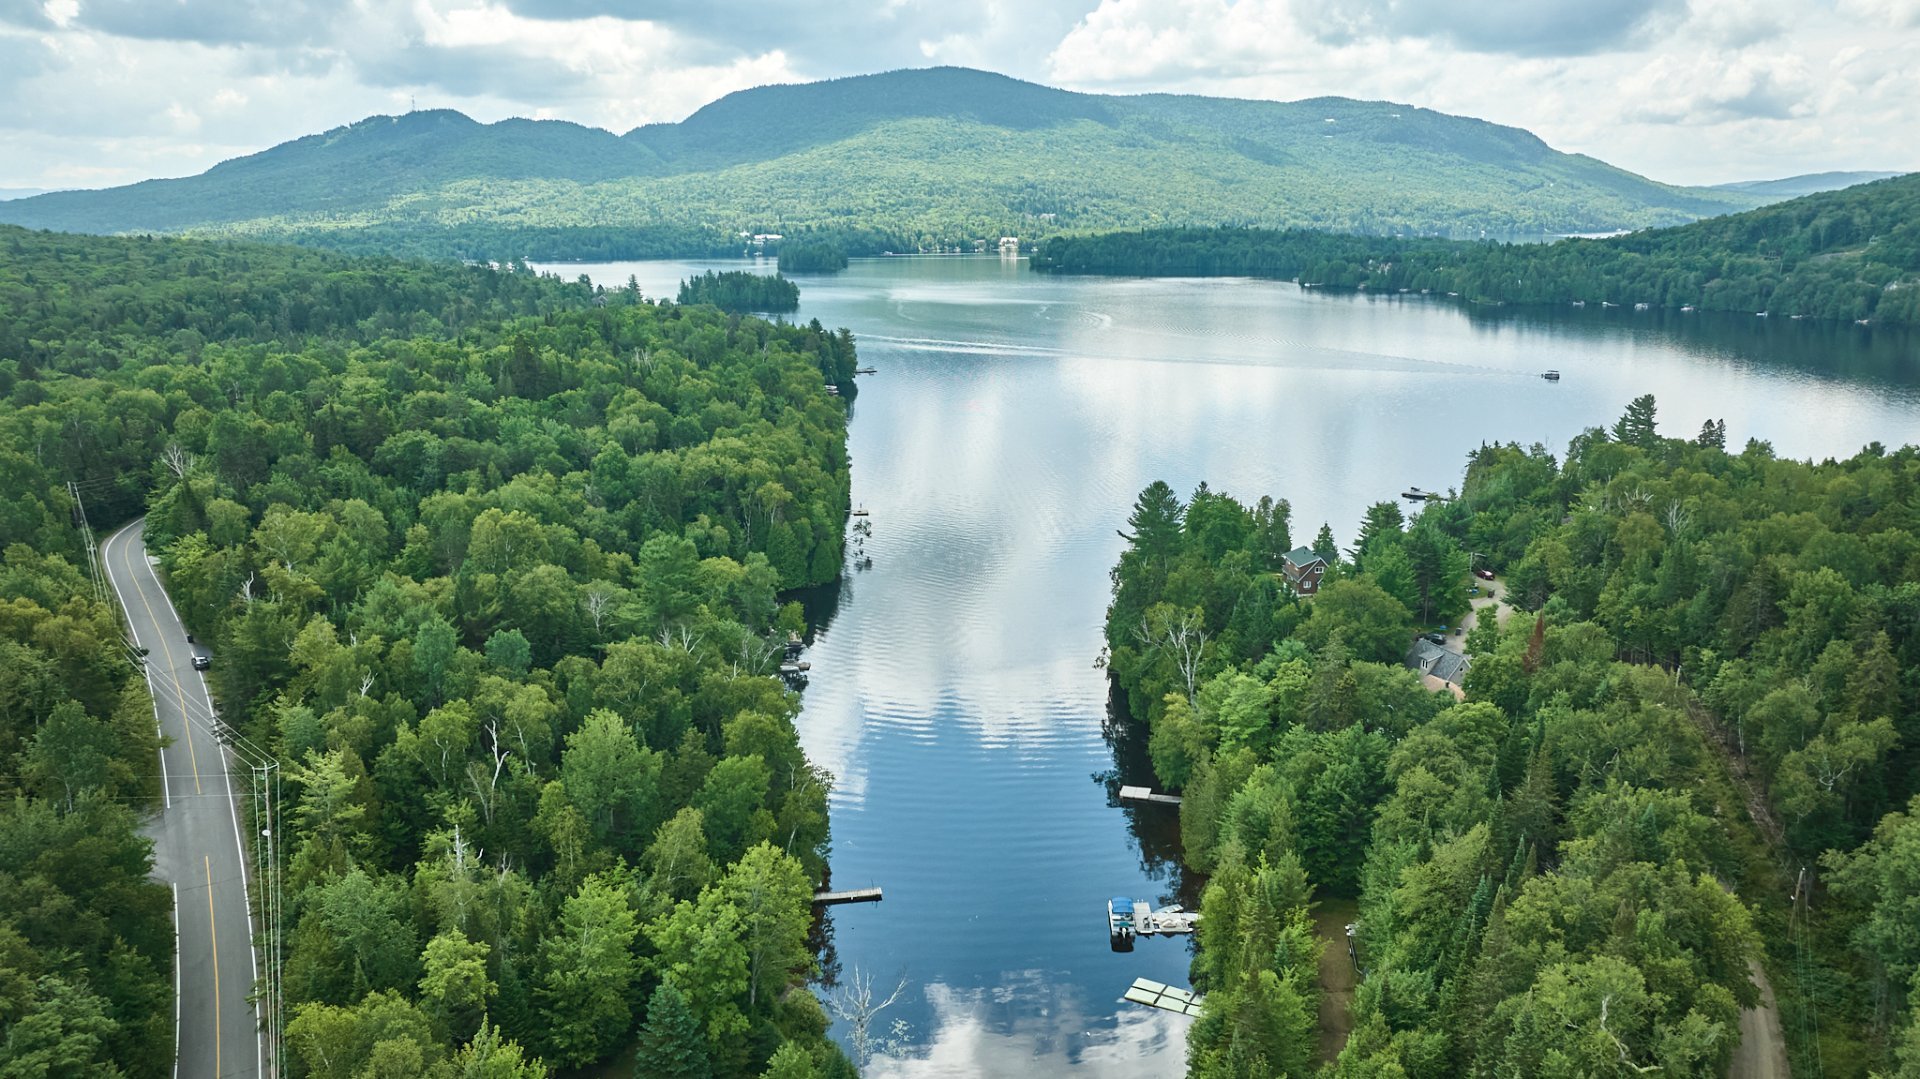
point(1762, 1053)
point(1337, 976)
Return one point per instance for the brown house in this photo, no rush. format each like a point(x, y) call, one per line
point(1303, 570)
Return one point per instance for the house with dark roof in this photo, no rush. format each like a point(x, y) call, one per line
point(1303, 570)
point(1438, 666)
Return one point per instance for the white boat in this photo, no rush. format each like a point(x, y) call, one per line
point(1120, 927)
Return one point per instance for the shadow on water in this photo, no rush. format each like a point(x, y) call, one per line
point(1155, 828)
point(1885, 356)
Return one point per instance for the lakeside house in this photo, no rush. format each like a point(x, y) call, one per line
point(1303, 570)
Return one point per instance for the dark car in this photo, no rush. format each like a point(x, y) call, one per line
point(201, 663)
point(1484, 574)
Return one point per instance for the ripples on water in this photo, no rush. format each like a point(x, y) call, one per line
point(1013, 421)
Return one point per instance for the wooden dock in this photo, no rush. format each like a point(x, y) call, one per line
point(1165, 997)
point(856, 895)
point(1147, 794)
point(1148, 922)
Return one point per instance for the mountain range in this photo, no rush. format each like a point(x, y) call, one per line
point(919, 158)
point(1812, 183)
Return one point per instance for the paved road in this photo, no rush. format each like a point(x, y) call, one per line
point(196, 838)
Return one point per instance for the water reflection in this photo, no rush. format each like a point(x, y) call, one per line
point(978, 1034)
point(1013, 420)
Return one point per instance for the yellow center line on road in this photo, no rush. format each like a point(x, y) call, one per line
point(180, 693)
point(214, 935)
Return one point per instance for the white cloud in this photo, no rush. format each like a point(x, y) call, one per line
point(1711, 91)
point(1683, 90)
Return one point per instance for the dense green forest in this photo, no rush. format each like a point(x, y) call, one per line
point(86, 937)
point(492, 562)
point(1707, 685)
point(1850, 254)
point(935, 159)
point(741, 291)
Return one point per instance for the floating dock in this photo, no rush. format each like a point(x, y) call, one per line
point(855, 895)
point(1147, 794)
point(1165, 997)
point(1149, 922)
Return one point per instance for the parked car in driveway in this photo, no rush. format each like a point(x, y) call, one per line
point(1484, 574)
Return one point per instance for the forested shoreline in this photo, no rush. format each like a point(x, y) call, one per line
point(492, 562)
point(1558, 873)
point(1851, 254)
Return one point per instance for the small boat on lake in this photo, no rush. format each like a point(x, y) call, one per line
point(1120, 925)
point(1550, 376)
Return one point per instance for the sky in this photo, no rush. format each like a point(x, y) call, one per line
point(101, 92)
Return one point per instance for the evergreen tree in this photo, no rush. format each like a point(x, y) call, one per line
point(1156, 520)
point(1636, 426)
point(671, 1044)
point(1324, 546)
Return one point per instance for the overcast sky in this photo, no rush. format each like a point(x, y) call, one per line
point(99, 92)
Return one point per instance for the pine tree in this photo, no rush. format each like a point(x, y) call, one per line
point(671, 1044)
point(1636, 426)
point(1156, 521)
point(1324, 546)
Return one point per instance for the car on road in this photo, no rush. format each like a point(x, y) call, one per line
point(1484, 574)
point(201, 663)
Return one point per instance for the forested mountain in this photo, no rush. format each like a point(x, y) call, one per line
point(1850, 254)
point(491, 562)
point(1792, 187)
point(899, 160)
point(1560, 874)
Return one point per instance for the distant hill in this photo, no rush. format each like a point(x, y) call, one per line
point(907, 158)
point(1792, 187)
point(20, 192)
point(1847, 254)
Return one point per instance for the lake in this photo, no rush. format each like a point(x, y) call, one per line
point(1013, 420)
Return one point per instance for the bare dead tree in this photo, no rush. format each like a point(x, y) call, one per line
point(1677, 519)
point(177, 460)
point(1183, 640)
point(679, 637)
point(598, 601)
point(855, 1003)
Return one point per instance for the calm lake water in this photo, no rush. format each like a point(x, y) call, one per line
point(1013, 420)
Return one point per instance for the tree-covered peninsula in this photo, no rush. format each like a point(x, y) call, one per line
point(1848, 254)
point(492, 562)
point(1690, 747)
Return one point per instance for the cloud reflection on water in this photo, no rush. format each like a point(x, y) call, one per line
point(973, 1038)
